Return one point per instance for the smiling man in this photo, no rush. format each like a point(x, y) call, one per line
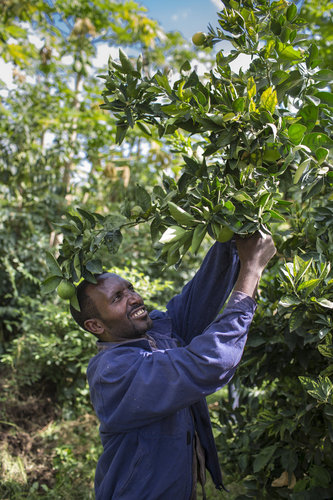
point(122, 314)
point(149, 380)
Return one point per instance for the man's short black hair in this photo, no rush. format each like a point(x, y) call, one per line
point(88, 308)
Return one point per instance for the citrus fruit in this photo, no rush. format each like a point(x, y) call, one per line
point(66, 290)
point(199, 38)
point(222, 233)
point(271, 155)
point(136, 211)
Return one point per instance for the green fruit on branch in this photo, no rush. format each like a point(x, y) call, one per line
point(66, 290)
point(199, 38)
point(222, 233)
point(136, 211)
point(271, 155)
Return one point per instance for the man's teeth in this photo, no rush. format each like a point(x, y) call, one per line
point(138, 313)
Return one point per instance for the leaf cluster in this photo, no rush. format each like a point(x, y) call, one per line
point(255, 131)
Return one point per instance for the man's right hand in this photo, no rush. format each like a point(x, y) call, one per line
point(254, 254)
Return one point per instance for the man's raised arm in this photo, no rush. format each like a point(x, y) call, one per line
point(254, 254)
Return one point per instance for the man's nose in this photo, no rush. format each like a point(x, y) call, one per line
point(133, 297)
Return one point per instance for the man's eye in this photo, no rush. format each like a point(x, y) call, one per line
point(117, 297)
point(131, 287)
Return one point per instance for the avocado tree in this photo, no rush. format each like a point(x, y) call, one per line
point(255, 153)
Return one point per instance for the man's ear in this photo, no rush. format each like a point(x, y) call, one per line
point(94, 326)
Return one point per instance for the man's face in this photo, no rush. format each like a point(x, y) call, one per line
point(123, 315)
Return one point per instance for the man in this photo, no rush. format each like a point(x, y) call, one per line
point(149, 380)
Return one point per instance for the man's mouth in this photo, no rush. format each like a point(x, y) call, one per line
point(139, 313)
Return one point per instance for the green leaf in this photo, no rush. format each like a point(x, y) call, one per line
point(94, 266)
point(263, 458)
point(142, 198)
point(276, 215)
point(309, 114)
point(173, 254)
point(324, 303)
point(186, 66)
point(322, 154)
point(239, 104)
point(288, 301)
point(269, 100)
point(275, 27)
point(296, 132)
point(325, 98)
point(155, 229)
point(312, 60)
point(77, 266)
point(296, 319)
point(320, 389)
point(198, 236)
point(53, 265)
point(75, 303)
point(302, 267)
point(291, 12)
point(87, 275)
point(50, 284)
point(326, 351)
point(88, 216)
point(172, 234)
point(251, 88)
point(287, 52)
point(113, 240)
point(162, 80)
point(192, 80)
point(315, 140)
point(144, 127)
point(309, 285)
point(320, 476)
point(315, 101)
point(264, 199)
point(180, 215)
point(121, 133)
point(300, 170)
point(324, 75)
point(125, 62)
point(242, 196)
point(294, 79)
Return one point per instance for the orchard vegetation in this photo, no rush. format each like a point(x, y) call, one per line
point(139, 166)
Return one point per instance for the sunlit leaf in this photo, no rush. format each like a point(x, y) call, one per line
point(296, 132)
point(269, 99)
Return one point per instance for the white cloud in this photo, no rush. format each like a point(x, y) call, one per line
point(103, 53)
point(182, 14)
point(217, 3)
point(242, 61)
point(6, 72)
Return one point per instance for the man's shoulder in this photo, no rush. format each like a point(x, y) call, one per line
point(113, 360)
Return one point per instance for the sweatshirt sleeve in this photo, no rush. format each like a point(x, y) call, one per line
point(132, 387)
point(204, 296)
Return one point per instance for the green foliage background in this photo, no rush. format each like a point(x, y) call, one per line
point(179, 157)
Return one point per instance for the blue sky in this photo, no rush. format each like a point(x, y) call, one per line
point(186, 16)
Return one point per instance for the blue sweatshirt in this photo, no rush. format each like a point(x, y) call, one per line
point(149, 394)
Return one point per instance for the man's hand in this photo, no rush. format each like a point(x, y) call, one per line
point(254, 254)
